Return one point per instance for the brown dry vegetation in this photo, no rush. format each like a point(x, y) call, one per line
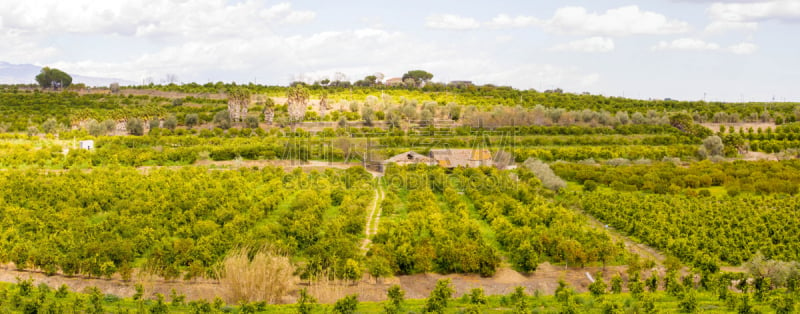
point(266, 276)
point(752, 156)
point(745, 125)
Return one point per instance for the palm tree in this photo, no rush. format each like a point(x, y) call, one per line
point(238, 101)
point(297, 98)
point(269, 110)
point(323, 101)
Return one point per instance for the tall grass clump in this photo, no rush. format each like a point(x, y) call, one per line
point(256, 275)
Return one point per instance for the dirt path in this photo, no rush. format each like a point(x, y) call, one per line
point(544, 279)
point(194, 290)
point(753, 156)
point(644, 251)
point(740, 125)
point(378, 212)
point(373, 218)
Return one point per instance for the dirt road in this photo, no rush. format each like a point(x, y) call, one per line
point(644, 251)
point(373, 219)
point(544, 279)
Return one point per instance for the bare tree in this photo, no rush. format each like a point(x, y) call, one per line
point(323, 102)
point(300, 78)
point(345, 145)
point(503, 159)
point(171, 78)
point(379, 77)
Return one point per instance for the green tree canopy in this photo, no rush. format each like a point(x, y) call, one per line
point(682, 121)
point(419, 76)
point(54, 78)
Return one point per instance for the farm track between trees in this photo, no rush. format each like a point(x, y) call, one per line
point(417, 286)
point(644, 251)
point(373, 219)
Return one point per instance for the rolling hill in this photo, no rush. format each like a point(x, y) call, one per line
point(25, 73)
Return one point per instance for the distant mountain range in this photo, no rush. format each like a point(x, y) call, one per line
point(25, 74)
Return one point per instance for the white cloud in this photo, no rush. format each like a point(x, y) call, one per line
point(322, 54)
point(16, 47)
point(371, 21)
point(198, 60)
point(591, 44)
point(188, 18)
point(745, 15)
point(589, 80)
point(531, 75)
point(506, 21)
point(299, 17)
point(743, 48)
point(451, 21)
point(693, 44)
point(628, 20)
point(502, 39)
point(786, 10)
point(723, 26)
point(28, 27)
point(690, 44)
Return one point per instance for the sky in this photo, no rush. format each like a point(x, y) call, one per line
point(736, 50)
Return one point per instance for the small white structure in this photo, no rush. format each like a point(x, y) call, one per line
point(88, 144)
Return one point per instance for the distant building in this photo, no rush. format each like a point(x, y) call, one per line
point(88, 144)
point(395, 81)
point(467, 158)
point(445, 158)
point(407, 158)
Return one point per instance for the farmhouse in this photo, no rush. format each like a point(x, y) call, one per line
point(395, 81)
point(467, 158)
point(407, 158)
point(446, 158)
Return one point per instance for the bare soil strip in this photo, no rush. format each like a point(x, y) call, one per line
point(544, 279)
point(644, 251)
point(373, 218)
